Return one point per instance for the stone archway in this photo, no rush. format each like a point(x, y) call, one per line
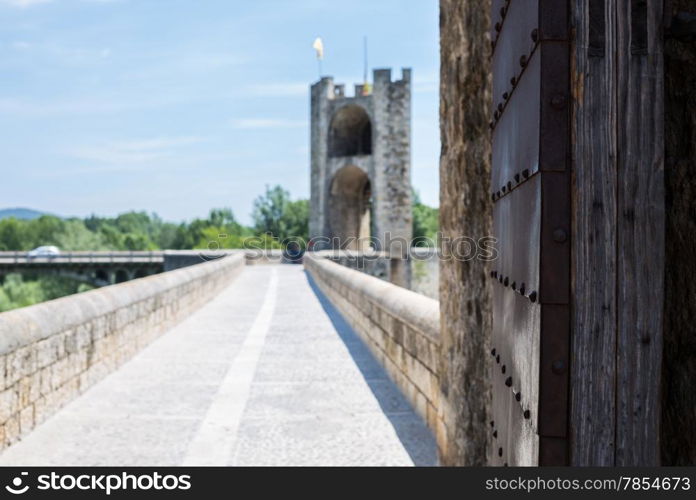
point(121, 276)
point(350, 133)
point(101, 276)
point(349, 208)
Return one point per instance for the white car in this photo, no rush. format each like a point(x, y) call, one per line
point(45, 251)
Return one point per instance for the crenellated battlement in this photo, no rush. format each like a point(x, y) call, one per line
point(380, 77)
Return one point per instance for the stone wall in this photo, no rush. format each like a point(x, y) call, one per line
point(53, 351)
point(391, 178)
point(400, 327)
point(422, 266)
point(465, 210)
point(375, 264)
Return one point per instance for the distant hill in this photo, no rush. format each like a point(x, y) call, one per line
point(21, 213)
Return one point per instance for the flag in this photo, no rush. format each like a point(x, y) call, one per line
point(318, 45)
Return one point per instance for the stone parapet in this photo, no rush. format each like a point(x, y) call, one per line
point(400, 327)
point(53, 351)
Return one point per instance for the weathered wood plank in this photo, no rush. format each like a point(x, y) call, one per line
point(640, 225)
point(619, 234)
point(593, 355)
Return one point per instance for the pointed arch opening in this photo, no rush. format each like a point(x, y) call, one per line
point(350, 206)
point(350, 132)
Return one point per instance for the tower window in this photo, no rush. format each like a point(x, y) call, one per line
point(350, 133)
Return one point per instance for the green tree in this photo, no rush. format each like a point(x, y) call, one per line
point(297, 219)
point(276, 214)
point(12, 235)
point(17, 293)
point(218, 238)
point(426, 221)
point(74, 235)
point(20, 291)
point(166, 235)
point(46, 230)
point(199, 233)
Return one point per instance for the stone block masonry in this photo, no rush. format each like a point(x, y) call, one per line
point(53, 351)
point(400, 327)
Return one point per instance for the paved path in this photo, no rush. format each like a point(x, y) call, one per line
point(266, 374)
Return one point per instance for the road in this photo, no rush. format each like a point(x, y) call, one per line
point(268, 373)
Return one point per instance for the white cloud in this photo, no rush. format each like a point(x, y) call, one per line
point(426, 83)
point(134, 151)
point(23, 3)
point(26, 107)
point(107, 102)
point(29, 3)
point(50, 52)
point(290, 89)
point(423, 87)
point(267, 123)
point(174, 64)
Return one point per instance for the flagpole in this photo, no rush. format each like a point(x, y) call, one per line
point(365, 59)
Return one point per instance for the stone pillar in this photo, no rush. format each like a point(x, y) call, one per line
point(465, 210)
point(321, 92)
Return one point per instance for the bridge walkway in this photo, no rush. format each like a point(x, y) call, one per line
point(268, 373)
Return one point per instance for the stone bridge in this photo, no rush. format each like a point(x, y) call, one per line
point(99, 268)
point(224, 363)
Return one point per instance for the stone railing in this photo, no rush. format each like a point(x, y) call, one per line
point(53, 351)
point(370, 262)
point(400, 327)
point(421, 266)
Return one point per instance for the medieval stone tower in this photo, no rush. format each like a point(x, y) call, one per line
point(361, 163)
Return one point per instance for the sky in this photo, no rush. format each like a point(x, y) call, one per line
point(180, 106)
